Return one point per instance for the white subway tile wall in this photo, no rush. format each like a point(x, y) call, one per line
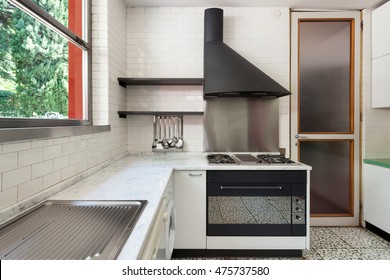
point(31, 171)
point(168, 42)
point(100, 61)
point(117, 52)
point(375, 125)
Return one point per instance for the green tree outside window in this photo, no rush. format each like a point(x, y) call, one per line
point(33, 63)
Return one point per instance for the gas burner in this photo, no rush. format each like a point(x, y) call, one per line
point(220, 159)
point(275, 159)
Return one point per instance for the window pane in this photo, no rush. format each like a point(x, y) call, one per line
point(324, 76)
point(34, 74)
point(68, 12)
point(330, 179)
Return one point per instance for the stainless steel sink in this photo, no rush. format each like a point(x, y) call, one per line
point(70, 230)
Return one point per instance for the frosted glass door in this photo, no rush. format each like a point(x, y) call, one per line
point(325, 124)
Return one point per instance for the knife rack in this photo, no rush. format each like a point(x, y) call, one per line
point(167, 133)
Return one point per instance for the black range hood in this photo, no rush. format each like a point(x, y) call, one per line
point(227, 73)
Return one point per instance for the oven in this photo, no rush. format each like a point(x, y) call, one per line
point(256, 203)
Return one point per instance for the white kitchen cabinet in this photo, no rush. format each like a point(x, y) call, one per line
point(381, 82)
point(381, 57)
point(190, 202)
point(380, 32)
point(376, 187)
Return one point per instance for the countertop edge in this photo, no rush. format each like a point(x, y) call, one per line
point(378, 162)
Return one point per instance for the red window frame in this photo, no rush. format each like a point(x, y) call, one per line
point(75, 62)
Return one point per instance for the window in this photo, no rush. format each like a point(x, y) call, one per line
point(45, 63)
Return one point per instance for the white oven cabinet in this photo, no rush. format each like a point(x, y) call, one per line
point(190, 202)
point(381, 57)
point(376, 193)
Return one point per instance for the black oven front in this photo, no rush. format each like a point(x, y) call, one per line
point(256, 203)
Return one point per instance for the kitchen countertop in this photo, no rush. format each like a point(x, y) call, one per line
point(144, 177)
point(384, 162)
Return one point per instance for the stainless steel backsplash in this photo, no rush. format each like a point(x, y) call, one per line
point(241, 125)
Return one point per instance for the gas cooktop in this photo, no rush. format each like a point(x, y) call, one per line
point(249, 159)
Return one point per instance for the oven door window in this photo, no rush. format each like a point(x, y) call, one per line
point(254, 209)
point(249, 210)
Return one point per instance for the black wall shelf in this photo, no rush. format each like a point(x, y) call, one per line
point(124, 114)
point(161, 81)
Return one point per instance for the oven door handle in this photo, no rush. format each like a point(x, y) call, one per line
point(251, 187)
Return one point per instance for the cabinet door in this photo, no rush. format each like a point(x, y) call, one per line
point(190, 203)
point(380, 33)
point(381, 82)
point(377, 196)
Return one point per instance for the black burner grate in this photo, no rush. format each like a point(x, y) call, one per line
point(275, 159)
point(220, 159)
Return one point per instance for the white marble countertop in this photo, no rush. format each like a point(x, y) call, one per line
point(144, 177)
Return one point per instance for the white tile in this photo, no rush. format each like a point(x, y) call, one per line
point(69, 148)
point(51, 152)
point(138, 10)
point(8, 197)
point(41, 143)
point(151, 10)
point(81, 167)
point(51, 179)
point(30, 157)
point(30, 188)
point(68, 172)
point(15, 147)
point(60, 163)
point(16, 177)
point(42, 168)
point(60, 140)
point(75, 158)
point(8, 162)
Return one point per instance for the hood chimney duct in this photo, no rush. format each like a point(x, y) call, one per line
point(213, 19)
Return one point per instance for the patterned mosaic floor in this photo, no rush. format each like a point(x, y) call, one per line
point(342, 243)
point(346, 243)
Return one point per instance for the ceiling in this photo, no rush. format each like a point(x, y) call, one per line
point(294, 4)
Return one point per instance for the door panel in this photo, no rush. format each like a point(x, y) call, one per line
point(324, 76)
point(331, 183)
point(325, 48)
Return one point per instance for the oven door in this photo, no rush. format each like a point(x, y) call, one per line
point(255, 207)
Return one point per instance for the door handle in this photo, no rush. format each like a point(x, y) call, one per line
point(297, 136)
point(251, 187)
point(195, 174)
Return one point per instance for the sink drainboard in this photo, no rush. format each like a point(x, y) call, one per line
point(70, 230)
